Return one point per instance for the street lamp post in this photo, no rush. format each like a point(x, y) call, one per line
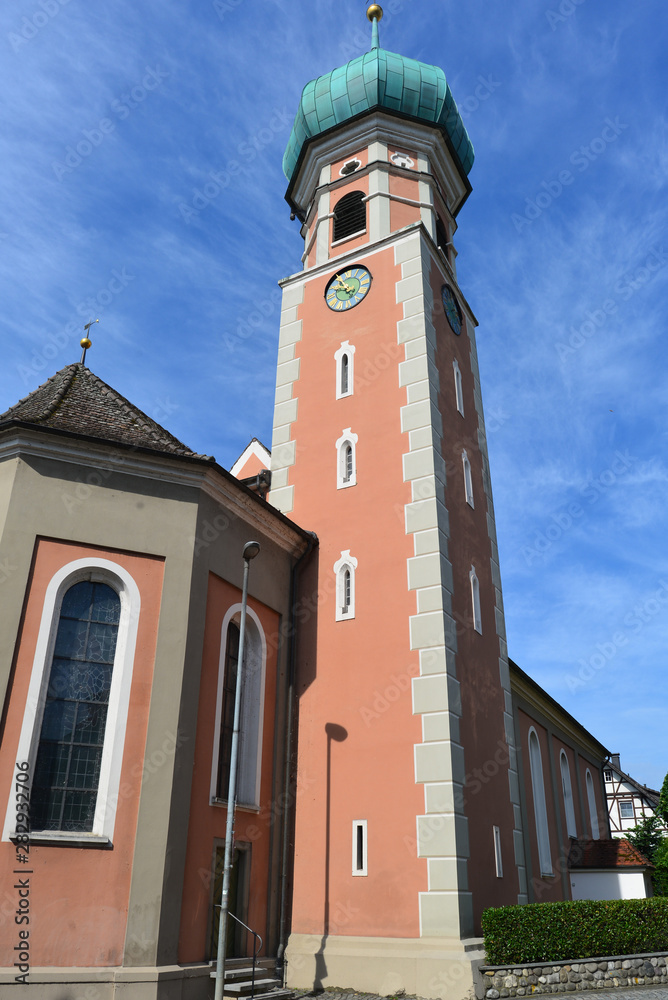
point(251, 549)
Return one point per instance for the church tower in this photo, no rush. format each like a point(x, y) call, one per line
point(407, 820)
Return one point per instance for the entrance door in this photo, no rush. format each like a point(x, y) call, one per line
point(237, 937)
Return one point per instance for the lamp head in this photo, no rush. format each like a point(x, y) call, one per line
point(251, 549)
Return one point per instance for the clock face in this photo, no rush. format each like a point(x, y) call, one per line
point(347, 288)
point(452, 310)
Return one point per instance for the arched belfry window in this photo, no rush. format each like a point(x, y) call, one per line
point(344, 569)
point(442, 239)
point(539, 805)
point(344, 358)
point(346, 463)
point(349, 216)
point(252, 708)
point(71, 740)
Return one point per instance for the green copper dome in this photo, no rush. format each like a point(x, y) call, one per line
point(378, 79)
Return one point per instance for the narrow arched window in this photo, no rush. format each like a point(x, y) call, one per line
point(593, 811)
point(459, 392)
point(344, 358)
point(346, 464)
point(539, 806)
point(227, 714)
point(475, 600)
point(349, 216)
point(71, 740)
point(252, 708)
point(346, 592)
point(468, 481)
point(571, 827)
point(345, 375)
point(344, 569)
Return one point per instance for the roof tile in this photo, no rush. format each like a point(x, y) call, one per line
point(605, 854)
point(78, 402)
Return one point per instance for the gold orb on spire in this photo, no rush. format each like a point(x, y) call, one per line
point(374, 11)
point(85, 343)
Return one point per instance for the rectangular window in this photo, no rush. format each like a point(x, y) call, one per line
point(626, 810)
point(497, 852)
point(359, 847)
point(607, 775)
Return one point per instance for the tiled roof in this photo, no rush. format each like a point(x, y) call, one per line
point(605, 854)
point(76, 401)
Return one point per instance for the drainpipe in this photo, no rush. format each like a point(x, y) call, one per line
point(285, 859)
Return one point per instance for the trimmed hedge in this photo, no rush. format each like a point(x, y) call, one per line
point(544, 932)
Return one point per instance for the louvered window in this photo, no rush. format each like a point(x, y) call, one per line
point(349, 216)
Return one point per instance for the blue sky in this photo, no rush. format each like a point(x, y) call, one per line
point(563, 254)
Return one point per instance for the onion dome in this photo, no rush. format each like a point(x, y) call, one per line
point(379, 80)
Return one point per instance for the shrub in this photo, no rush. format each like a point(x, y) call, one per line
point(546, 932)
point(660, 873)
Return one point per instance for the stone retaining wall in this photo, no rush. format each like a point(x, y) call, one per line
point(570, 977)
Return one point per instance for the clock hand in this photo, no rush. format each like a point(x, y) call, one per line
point(343, 285)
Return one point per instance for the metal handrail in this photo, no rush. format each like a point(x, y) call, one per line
point(256, 949)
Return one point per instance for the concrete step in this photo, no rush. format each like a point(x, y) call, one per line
point(244, 987)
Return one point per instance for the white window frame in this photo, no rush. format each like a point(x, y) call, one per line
point(539, 804)
point(567, 788)
point(475, 600)
point(346, 562)
point(347, 440)
point(252, 712)
point(498, 858)
point(593, 811)
point(468, 479)
point(627, 802)
point(117, 577)
point(360, 825)
point(606, 773)
point(345, 350)
point(459, 389)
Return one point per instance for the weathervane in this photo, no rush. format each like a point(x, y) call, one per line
point(86, 342)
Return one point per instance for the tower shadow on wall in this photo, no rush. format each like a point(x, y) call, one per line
point(335, 734)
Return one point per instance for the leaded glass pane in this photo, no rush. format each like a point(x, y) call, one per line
point(71, 639)
point(78, 811)
point(91, 720)
point(102, 642)
point(85, 767)
point(58, 722)
point(77, 601)
point(69, 756)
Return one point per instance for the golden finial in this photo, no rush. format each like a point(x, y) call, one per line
point(375, 11)
point(86, 342)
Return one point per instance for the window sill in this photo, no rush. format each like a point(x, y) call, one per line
point(66, 838)
point(241, 806)
point(353, 236)
point(345, 486)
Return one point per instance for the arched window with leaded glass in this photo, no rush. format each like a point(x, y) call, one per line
point(71, 740)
